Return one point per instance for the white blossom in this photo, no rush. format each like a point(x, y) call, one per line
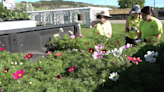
point(117, 52)
point(12, 63)
point(61, 30)
point(114, 76)
point(70, 32)
point(21, 63)
point(151, 56)
point(15, 63)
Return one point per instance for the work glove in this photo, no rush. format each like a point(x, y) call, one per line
point(134, 28)
point(128, 29)
point(139, 40)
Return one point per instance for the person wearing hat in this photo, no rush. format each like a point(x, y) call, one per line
point(150, 26)
point(132, 25)
point(102, 25)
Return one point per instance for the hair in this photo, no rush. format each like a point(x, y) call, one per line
point(148, 10)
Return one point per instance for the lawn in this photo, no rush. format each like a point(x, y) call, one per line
point(116, 29)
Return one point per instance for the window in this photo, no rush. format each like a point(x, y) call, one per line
point(65, 18)
point(161, 14)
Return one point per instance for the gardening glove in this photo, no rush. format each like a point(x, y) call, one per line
point(139, 40)
point(134, 28)
point(128, 29)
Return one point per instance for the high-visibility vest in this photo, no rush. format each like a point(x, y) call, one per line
point(104, 29)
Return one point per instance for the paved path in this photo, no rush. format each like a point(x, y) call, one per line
point(123, 21)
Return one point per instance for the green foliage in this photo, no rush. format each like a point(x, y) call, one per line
point(130, 3)
point(89, 73)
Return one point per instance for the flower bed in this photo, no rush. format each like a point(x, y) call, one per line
point(79, 64)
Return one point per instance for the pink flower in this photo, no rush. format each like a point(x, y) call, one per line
point(113, 61)
point(97, 55)
point(58, 54)
point(98, 47)
point(49, 52)
point(2, 49)
point(81, 35)
point(28, 56)
point(72, 69)
point(1, 90)
point(81, 50)
point(18, 74)
point(73, 36)
point(135, 60)
point(59, 76)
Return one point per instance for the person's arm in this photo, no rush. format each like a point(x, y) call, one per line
point(139, 34)
point(127, 25)
point(158, 36)
point(93, 23)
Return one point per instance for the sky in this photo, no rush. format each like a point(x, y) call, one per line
point(158, 3)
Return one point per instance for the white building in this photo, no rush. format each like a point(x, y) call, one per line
point(68, 15)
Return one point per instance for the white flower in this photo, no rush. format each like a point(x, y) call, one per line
point(74, 49)
point(56, 35)
point(70, 32)
point(15, 63)
point(103, 80)
point(30, 82)
point(0, 82)
point(61, 30)
point(117, 52)
point(12, 63)
point(107, 52)
point(21, 63)
point(151, 56)
point(40, 62)
point(114, 76)
point(126, 46)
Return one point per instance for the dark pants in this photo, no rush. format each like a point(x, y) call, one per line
point(130, 41)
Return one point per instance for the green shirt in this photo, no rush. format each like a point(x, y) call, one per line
point(133, 22)
point(151, 28)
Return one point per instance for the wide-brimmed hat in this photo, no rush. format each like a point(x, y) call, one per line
point(135, 9)
point(104, 13)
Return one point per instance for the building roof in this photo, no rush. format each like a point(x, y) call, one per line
point(119, 11)
point(72, 9)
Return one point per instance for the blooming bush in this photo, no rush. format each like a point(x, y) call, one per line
point(84, 65)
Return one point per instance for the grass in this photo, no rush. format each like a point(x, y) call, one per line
point(116, 29)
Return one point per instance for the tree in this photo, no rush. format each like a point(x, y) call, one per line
point(130, 3)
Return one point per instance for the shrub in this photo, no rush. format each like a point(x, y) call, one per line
point(51, 73)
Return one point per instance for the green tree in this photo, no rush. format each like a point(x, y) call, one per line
point(130, 3)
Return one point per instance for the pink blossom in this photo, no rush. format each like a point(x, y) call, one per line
point(135, 60)
point(18, 74)
point(59, 76)
point(97, 55)
point(58, 54)
point(81, 35)
point(99, 47)
point(49, 52)
point(72, 69)
point(73, 36)
point(1, 90)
